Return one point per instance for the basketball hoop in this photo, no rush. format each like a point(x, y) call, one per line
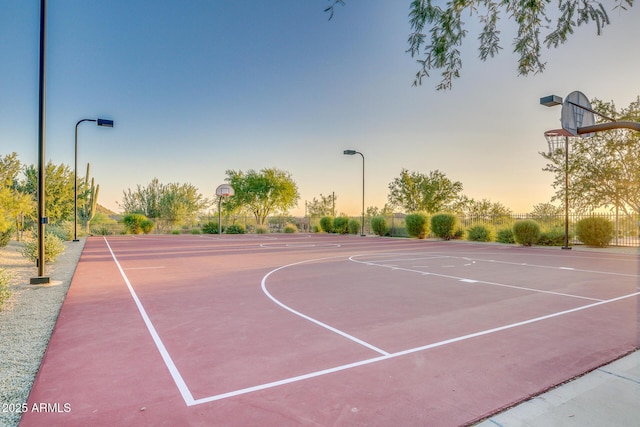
point(557, 139)
point(577, 113)
point(224, 190)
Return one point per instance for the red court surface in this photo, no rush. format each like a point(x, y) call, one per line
point(323, 330)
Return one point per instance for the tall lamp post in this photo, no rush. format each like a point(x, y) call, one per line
point(42, 219)
point(100, 122)
point(351, 153)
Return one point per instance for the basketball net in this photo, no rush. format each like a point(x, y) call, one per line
point(557, 139)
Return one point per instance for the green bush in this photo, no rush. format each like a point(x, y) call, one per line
point(196, 231)
point(63, 231)
point(102, 230)
point(53, 247)
point(341, 225)
point(326, 224)
point(5, 237)
point(443, 225)
point(379, 225)
point(176, 231)
point(554, 237)
point(133, 223)
point(235, 229)
point(526, 232)
point(290, 228)
point(354, 226)
point(5, 293)
point(210, 227)
point(595, 231)
point(260, 230)
point(480, 233)
point(147, 226)
point(417, 226)
point(505, 235)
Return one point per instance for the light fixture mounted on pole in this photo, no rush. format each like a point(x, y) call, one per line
point(351, 153)
point(99, 122)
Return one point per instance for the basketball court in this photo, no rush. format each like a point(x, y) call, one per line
point(326, 330)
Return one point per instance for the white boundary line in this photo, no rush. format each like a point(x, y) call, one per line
point(173, 370)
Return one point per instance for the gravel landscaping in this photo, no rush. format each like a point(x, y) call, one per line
point(26, 322)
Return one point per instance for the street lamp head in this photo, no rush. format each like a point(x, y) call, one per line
point(349, 152)
point(105, 122)
point(551, 100)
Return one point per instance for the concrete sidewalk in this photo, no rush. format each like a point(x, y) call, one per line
point(608, 396)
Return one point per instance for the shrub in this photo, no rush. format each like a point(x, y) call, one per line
point(133, 223)
point(505, 235)
point(290, 228)
point(459, 233)
point(210, 227)
point(102, 230)
point(341, 225)
point(147, 226)
point(417, 226)
point(354, 226)
point(5, 293)
point(480, 233)
point(196, 231)
point(235, 229)
point(316, 229)
point(53, 247)
point(595, 231)
point(260, 230)
point(175, 231)
point(5, 237)
point(379, 225)
point(553, 237)
point(326, 224)
point(62, 231)
point(444, 225)
point(526, 232)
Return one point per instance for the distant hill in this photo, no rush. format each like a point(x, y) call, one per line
point(106, 211)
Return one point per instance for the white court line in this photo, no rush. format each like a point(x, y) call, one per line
point(173, 370)
point(466, 280)
point(311, 319)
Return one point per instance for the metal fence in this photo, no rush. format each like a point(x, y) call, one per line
point(626, 226)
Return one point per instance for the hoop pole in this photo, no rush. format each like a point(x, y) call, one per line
point(609, 126)
point(566, 193)
point(219, 217)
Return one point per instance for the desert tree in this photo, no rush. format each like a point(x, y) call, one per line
point(263, 193)
point(417, 192)
point(437, 30)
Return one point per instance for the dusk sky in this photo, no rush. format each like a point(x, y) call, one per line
point(197, 87)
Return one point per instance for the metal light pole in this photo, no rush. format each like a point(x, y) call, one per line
point(351, 153)
point(100, 122)
point(42, 219)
